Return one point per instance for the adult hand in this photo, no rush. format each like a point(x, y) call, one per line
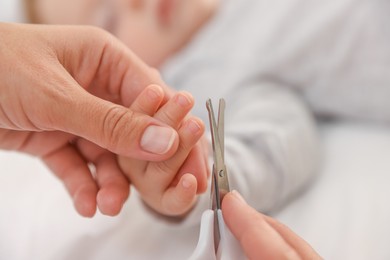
point(260, 236)
point(64, 96)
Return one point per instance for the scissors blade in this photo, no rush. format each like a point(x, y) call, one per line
point(222, 177)
point(219, 168)
point(220, 183)
point(221, 126)
point(218, 141)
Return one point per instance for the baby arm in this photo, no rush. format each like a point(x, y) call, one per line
point(271, 146)
point(170, 187)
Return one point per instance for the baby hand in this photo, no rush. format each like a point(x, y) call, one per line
point(170, 187)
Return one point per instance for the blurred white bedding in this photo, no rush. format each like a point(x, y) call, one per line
point(344, 215)
point(12, 11)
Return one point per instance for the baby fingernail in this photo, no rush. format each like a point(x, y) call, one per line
point(186, 183)
point(182, 100)
point(193, 126)
point(158, 139)
point(153, 93)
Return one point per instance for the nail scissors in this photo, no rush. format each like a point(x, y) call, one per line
point(215, 239)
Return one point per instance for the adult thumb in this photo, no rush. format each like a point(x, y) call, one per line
point(118, 129)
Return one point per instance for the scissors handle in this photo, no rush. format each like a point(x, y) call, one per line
point(229, 248)
point(205, 249)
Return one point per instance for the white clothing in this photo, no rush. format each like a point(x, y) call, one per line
point(269, 58)
point(12, 11)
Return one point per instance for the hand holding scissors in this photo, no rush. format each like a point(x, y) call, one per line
point(215, 239)
point(269, 239)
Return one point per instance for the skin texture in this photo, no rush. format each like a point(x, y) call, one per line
point(65, 98)
point(260, 236)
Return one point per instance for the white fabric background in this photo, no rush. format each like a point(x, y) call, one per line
point(344, 215)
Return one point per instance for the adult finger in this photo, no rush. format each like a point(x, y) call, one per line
point(257, 238)
point(73, 171)
point(102, 64)
point(299, 244)
point(114, 186)
point(35, 143)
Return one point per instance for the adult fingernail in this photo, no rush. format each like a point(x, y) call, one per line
point(158, 139)
point(238, 196)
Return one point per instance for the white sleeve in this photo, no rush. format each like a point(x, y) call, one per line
point(271, 147)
